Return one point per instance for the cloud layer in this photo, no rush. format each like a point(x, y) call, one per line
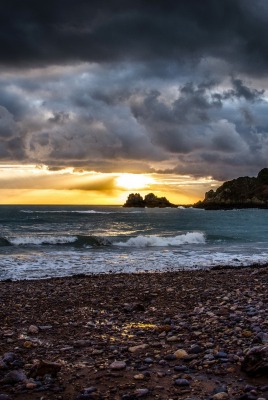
point(123, 86)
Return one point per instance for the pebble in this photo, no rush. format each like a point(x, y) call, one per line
point(139, 377)
point(170, 357)
point(140, 347)
point(141, 392)
point(172, 338)
point(148, 360)
point(221, 354)
point(195, 349)
point(180, 354)
point(14, 377)
point(33, 329)
point(180, 368)
point(46, 368)
point(118, 365)
point(182, 382)
point(221, 396)
point(209, 332)
point(45, 327)
point(31, 385)
point(9, 357)
point(27, 344)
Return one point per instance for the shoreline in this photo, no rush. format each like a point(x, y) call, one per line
point(165, 335)
point(143, 272)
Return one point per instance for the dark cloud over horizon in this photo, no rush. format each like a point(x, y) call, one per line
point(169, 86)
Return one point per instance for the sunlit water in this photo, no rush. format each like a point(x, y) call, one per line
point(45, 241)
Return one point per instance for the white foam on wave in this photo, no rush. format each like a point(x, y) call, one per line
point(160, 241)
point(66, 212)
point(66, 263)
point(38, 240)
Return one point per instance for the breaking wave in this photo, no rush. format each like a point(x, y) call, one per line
point(160, 241)
point(65, 212)
point(39, 240)
point(4, 242)
point(77, 212)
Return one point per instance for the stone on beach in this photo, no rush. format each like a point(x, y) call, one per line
point(33, 329)
point(139, 347)
point(14, 377)
point(187, 344)
point(180, 353)
point(118, 365)
point(256, 361)
point(46, 367)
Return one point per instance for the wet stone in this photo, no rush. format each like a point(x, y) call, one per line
point(118, 365)
point(148, 360)
point(182, 382)
point(221, 396)
point(247, 396)
point(256, 361)
point(141, 392)
point(180, 368)
point(14, 377)
point(46, 368)
point(33, 329)
point(195, 349)
point(180, 353)
point(170, 357)
point(89, 390)
point(4, 397)
point(220, 389)
point(9, 357)
point(221, 354)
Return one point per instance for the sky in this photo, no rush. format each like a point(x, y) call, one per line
point(102, 98)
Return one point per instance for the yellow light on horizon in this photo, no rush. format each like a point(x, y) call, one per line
point(134, 181)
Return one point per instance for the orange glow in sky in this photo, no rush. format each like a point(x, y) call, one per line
point(29, 184)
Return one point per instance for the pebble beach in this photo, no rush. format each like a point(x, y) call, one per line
point(173, 335)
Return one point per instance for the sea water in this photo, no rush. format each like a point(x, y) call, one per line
point(49, 241)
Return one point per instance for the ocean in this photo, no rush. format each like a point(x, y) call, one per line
point(52, 241)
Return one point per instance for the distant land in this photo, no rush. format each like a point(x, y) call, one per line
point(149, 201)
point(243, 192)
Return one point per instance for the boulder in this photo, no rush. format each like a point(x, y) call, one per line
point(256, 361)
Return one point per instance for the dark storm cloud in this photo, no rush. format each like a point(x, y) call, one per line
point(188, 123)
point(240, 90)
point(40, 33)
point(135, 86)
point(12, 146)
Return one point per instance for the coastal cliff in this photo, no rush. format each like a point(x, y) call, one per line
point(149, 201)
point(243, 192)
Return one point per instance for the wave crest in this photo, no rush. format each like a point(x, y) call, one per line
point(4, 242)
point(43, 240)
point(160, 241)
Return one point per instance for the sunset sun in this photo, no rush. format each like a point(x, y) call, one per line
point(134, 181)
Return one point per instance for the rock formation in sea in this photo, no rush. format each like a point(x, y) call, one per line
point(150, 201)
point(243, 192)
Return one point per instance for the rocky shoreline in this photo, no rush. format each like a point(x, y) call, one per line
point(174, 335)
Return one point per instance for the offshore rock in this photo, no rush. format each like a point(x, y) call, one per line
point(149, 201)
point(243, 192)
